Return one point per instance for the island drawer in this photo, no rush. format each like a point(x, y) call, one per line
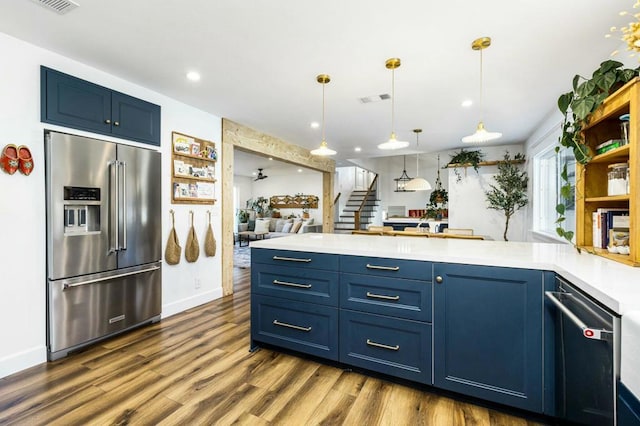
point(391, 346)
point(409, 299)
point(300, 259)
point(303, 284)
point(299, 326)
point(386, 267)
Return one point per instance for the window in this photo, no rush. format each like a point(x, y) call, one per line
point(548, 166)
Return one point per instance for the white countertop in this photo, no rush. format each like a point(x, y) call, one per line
point(615, 285)
point(630, 352)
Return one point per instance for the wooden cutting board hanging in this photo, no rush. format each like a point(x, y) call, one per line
point(209, 239)
point(192, 250)
point(173, 250)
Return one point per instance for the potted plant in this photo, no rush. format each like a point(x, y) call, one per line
point(243, 220)
point(510, 192)
point(464, 158)
point(258, 205)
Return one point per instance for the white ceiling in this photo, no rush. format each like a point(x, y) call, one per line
point(259, 60)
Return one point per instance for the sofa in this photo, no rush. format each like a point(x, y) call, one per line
point(278, 227)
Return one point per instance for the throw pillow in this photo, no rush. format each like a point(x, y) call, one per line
point(279, 224)
point(296, 227)
point(309, 222)
point(287, 227)
point(262, 225)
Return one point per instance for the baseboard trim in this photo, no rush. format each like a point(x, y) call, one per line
point(22, 360)
point(190, 302)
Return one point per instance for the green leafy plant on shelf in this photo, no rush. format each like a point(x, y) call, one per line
point(510, 192)
point(438, 199)
point(465, 158)
point(576, 106)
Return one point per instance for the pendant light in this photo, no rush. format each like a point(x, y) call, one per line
point(417, 183)
point(481, 134)
point(393, 143)
point(404, 177)
point(323, 150)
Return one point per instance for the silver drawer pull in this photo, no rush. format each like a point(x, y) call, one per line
point(382, 296)
point(380, 345)
point(384, 268)
point(291, 259)
point(295, 327)
point(291, 284)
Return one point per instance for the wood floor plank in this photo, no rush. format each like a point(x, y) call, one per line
point(406, 406)
point(369, 406)
point(332, 410)
point(195, 368)
point(300, 408)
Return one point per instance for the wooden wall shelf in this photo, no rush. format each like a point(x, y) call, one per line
point(193, 162)
point(482, 163)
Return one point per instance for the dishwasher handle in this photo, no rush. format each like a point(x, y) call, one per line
point(587, 332)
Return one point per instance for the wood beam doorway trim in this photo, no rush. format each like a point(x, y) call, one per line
point(236, 135)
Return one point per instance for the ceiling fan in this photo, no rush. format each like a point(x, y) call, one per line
point(260, 175)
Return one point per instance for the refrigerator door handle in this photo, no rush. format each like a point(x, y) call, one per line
point(66, 286)
point(123, 219)
point(113, 208)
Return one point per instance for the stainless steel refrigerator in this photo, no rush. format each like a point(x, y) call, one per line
point(103, 240)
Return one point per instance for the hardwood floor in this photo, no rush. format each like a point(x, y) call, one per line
point(195, 368)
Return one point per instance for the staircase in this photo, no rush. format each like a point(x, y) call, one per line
point(346, 222)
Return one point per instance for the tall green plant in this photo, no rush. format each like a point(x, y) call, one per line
point(510, 192)
point(576, 107)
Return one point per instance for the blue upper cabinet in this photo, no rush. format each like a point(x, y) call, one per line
point(71, 102)
point(488, 333)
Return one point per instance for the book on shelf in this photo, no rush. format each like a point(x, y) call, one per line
point(609, 145)
point(605, 220)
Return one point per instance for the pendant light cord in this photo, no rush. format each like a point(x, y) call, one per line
point(393, 100)
point(323, 84)
point(481, 105)
point(417, 154)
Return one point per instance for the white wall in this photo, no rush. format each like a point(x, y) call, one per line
point(22, 202)
point(468, 202)
point(308, 182)
point(244, 186)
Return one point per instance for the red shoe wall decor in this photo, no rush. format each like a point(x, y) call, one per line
point(26, 161)
point(9, 160)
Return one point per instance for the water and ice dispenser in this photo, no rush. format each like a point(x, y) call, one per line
point(81, 210)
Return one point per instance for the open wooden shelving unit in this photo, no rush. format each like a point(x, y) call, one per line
point(591, 179)
point(202, 156)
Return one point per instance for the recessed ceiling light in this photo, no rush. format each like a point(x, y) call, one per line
point(467, 103)
point(254, 173)
point(193, 76)
point(299, 170)
point(315, 125)
point(357, 149)
point(270, 158)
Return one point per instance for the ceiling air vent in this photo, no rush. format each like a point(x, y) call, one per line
point(374, 98)
point(59, 6)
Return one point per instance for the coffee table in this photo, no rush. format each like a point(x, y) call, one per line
point(246, 237)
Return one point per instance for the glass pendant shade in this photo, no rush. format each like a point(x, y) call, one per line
point(481, 135)
point(417, 183)
point(393, 143)
point(323, 150)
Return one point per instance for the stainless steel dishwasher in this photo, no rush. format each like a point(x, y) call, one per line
point(587, 357)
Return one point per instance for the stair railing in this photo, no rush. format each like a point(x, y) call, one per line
point(356, 214)
point(336, 208)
